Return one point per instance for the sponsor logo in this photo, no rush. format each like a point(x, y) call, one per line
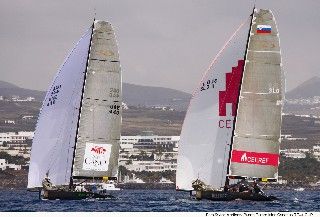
point(255, 158)
point(96, 157)
point(95, 161)
point(244, 158)
point(231, 94)
point(98, 150)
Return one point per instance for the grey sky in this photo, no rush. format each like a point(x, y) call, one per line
point(167, 43)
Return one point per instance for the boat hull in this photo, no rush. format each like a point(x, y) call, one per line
point(73, 195)
point(228, 196)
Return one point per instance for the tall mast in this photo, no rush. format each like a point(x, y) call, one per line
point(78, 122)
point(234, 122)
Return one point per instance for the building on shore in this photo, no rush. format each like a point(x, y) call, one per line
point(22, 151)
point(150, 166)
point(149, 152)
point(316, 152)
point(3, 164)
point(16, 137)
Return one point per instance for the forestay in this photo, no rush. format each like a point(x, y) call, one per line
point(207, 129)
point(97, 147)
point(54, 139)
point(255, 148)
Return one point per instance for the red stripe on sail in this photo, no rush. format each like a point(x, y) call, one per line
point(263, 31)
point(231, 94)
point(255, 158)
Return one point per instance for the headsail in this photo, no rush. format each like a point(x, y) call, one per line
point(207, 129)
point(255, 148)
point(97, 147)
point(53, 143)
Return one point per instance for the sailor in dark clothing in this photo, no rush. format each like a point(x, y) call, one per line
point(256, 188)
point(46, 183)
point(243, 186)
point(226, 188)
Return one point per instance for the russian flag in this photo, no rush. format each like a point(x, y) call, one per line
point(263, 29)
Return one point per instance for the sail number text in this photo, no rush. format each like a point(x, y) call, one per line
point(114, 92)
point(54, 95)
point(225, 123)
point(208, 84)
point(274, 90)
point(114, 109)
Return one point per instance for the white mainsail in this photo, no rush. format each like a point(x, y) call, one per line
point(255, 147)
point(98, 138)
point(54, 140)
point(207, 129)
point(78, 129)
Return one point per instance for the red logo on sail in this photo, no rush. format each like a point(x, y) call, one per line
point(231, 94)
point(255, 158)
point(98, 150)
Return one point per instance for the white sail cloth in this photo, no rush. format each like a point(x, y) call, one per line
point(207, 129)
point(52, 148)
point(255, 148)
point(98, 139)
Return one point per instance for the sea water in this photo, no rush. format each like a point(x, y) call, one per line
point(159, 201)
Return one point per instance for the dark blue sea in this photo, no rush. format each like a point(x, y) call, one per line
point(159, 201)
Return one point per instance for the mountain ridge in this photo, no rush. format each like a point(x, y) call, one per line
point(148, 96)
point(133, 95)
point(307, 89)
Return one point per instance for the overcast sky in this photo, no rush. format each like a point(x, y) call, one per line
point(167, 43)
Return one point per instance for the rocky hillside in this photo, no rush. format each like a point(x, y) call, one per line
point(134, 95)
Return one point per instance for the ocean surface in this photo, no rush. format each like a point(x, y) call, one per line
point(159, 201)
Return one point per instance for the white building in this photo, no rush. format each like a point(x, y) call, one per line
point(151, 166)
point(17, 99)
point(165, 181)
point(17, 150)
point(124, 106)
point(316, 152)
point(27, 117)
point(15, 137)
point(30, 99)
point(13, 166)
point(296, 155)
point(3, 164)
point(9, 122)
point(281, 181)
point(147, 139)
point(127, 179)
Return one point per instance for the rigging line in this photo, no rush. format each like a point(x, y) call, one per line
point(57, 145)
point(241, 81)
point(79, 115)
point(207, 71)
point(209, 155)
point(218, 55)
point(54, 81)
point(74, 94)
point(211, 65)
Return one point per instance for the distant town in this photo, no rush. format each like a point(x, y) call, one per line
point(149, 143)
point(140, 155)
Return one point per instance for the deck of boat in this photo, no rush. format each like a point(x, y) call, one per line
point(73, 195)
point(228, 196)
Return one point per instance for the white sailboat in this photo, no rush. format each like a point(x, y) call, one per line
point(232, 126)
point(78, 130)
